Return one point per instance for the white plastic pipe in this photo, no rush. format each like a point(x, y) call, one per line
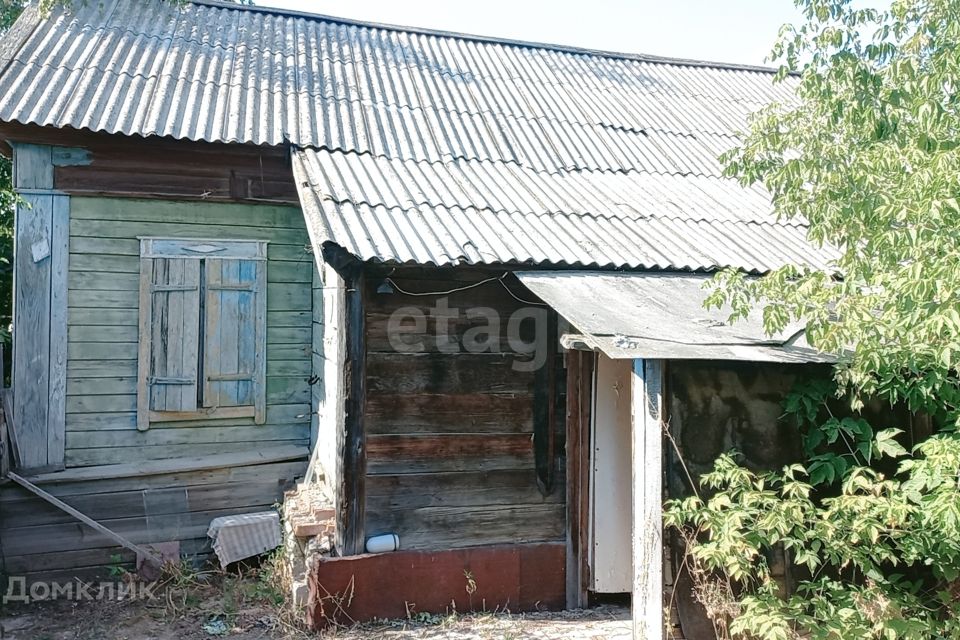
point(384, 543)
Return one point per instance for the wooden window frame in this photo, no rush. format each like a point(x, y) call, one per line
point(153, 248)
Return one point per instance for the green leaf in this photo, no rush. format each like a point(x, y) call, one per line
point(886, 444)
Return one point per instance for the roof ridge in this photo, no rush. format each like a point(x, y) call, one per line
point(649, 217)
point(586, 51)
point(453, 159)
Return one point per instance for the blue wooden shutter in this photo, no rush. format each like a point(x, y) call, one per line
point(234, 334)
point(169, 337)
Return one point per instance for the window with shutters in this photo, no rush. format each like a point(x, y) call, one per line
point(203, 308)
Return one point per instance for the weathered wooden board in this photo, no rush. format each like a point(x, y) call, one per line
point(442, 373)
point(103, 281)
point(610, 465)
point(105, 386)
point(280, 297)
point(75, 535)
point(451, 452)
point(131, 247)
point(32, 331)
point(100, 350)
point(168, 474)
point(277, 414)
point(126, 210)
point(131, 503)
point(290, 368)
point(201, 435)
point(86, 558)
point(579, 413)
point(59, 264)
point(83, 369)
point(460, 413)
point(123, 455)
point(454, 489)
point(458, 527)
point(107, 228)
point(98, 262)
point(102, 299)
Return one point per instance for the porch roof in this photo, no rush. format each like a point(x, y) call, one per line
point(660, 316)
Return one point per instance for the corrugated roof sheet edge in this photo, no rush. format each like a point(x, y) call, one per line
point(640, 57)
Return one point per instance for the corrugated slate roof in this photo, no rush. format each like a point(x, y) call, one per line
point(490, 212)
point(661, 316)
point(434, 133)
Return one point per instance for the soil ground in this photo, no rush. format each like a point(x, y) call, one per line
point(246, 607)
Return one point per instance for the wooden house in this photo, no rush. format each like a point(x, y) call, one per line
point(462, 275)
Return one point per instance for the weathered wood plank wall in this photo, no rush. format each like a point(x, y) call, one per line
point(172, 169)
point(450, 433)
point(102, 329)
point(180, 189)
point(41, 542)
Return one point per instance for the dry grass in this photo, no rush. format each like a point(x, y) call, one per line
point(244, 604)
point(600, 623)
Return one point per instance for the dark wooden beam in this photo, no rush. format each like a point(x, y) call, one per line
point(351, 496)
point(579, 393)
point(544, 409)
point(588, 363)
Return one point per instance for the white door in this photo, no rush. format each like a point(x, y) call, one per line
point(610, 501)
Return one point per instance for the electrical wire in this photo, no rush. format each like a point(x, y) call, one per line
point(464, 288)
point(438, 293)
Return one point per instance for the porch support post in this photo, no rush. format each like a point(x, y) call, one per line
point(647, 518)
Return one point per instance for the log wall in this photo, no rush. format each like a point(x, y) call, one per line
point(451, 450)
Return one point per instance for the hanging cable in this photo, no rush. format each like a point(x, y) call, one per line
point(438, 293)
point(500, 279)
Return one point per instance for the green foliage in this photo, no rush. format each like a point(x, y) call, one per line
point(9, 10)
point(869, 156)
point(882, 555)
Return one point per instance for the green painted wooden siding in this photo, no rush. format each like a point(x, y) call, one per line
point(103, 290)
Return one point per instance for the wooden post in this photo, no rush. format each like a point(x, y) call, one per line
point(647, 466)
point(574, 442)
point(352, 494)
point(41, 230)
point(544, 410)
